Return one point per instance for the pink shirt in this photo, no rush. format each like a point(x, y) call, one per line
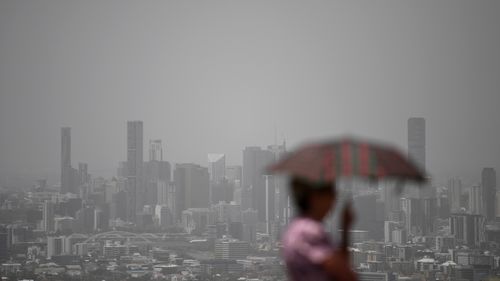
point(305, 247)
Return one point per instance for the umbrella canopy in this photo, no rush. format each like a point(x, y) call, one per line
point(348, 157)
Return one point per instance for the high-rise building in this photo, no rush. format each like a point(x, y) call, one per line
point(391, 198)
point(233, 174)
point(476, 200)
point(283, 207)
point(413, 218)
point(192, 188)
point(83, 175)
point(154, 173)
point(255, 161)
point(489, 184)
point(389, 227)
point(66, 169)
point(55, 246)
point(155, 150)
point(416, 141)
point(48, 216)
point(468, 229)
point(454, 194)
point(135, 190)
point(216, 167)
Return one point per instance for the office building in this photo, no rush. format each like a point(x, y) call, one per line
point(48, 216)
point(468, 229)
point(155, 150)
point(416, 141)
point(192, 188)
point(135, 190)
point(255, 161)
point(67, 172)
point(489, 184)
point(454, 194)
point(476, 200)
point(216, 167)
point(231, 249)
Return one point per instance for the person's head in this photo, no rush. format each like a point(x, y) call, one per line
point(313, 199)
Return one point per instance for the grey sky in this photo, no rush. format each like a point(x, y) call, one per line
point(215, 76)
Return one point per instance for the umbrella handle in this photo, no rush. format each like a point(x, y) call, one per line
point(347, 221)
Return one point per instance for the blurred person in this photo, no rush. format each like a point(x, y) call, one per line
point(308, 252)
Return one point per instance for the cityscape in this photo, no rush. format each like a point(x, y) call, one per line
point(249, 140)
point(157, 221)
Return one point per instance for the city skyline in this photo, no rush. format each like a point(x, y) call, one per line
point(136, 140)
point(234, 84)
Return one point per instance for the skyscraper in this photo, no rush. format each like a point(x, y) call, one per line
point(216, 167)
point(134, 168)
point(48, 216)
point(468, 229)
point(66, 170)
point(191, 187)
point(454, 194)
point(476, 200)
point(416, 141)
point(155, 150)
point(489, 183)
point(255, 160)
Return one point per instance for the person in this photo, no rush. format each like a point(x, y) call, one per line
point(308, 252)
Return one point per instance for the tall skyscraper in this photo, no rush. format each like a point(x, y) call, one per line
point(255, 160)
point(476, 200)
point(283, 207)
point(192, 188)
point(416, 141)
point(135, 188)
point(66, 169)
point(48, 216)
point(489, 184)
point(216, 167)
point(155, 150)
point(83, 175)
point(454, 194)
point(417, 152)
point(412, 214)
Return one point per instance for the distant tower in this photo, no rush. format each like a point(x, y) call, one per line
point(192, 188)
point(476, 200)
point(216, 167)
point(255, 161)
point(48, 216)
point(66, 170)
point(416, 141)
point(489, 184)
point(155, 150)
point(134, 167)
point(454, 194)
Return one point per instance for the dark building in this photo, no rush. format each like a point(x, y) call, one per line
point(135, 190)
point(468, 229)
point(489, 184)
point(67, 172)
point(192, 187)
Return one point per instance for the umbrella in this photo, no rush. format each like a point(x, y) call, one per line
point(348, 157)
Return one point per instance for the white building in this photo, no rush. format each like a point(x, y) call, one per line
point(231, 249)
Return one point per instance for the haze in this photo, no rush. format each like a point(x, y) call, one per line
point(216, 76)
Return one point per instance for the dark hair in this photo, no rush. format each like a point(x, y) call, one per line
point(302, 190)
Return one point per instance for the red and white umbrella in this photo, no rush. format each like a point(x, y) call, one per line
point(348, 157)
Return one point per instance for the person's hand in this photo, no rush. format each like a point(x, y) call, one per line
point(347, 217)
